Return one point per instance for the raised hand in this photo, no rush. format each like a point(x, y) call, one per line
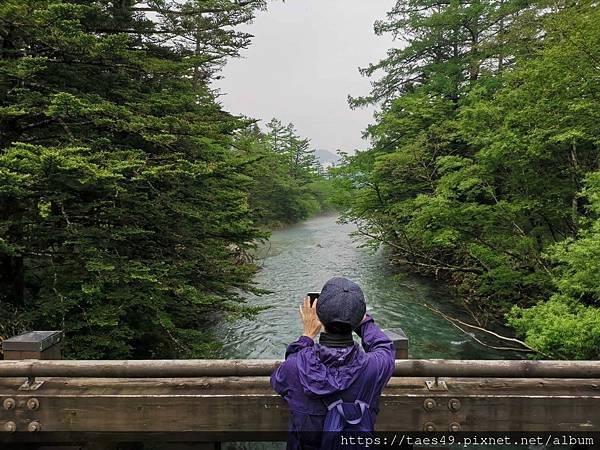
point(310, 322)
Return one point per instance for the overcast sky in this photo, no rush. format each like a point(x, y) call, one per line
point(303, 63)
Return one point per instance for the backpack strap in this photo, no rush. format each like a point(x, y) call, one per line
point(338, 405)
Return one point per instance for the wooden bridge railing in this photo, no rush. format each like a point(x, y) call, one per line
point(223, 400)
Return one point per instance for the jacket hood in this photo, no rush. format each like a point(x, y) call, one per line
point(324, 370)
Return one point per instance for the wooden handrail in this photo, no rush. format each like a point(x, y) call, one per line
point(252, 367)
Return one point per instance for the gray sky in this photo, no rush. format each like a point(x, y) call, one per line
point(303, 63)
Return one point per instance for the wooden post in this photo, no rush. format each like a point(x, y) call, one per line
point(33, 345)
point(400, 342)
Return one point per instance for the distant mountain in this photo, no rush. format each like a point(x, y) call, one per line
point(326, 156)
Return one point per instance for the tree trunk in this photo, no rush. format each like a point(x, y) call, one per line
point(12, 279)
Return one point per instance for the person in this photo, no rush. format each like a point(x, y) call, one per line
point(333, 385)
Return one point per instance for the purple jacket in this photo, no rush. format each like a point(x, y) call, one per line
point(313, 375)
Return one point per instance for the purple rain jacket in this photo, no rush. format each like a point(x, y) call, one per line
point(313, 375)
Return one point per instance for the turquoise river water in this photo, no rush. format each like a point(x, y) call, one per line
point(301, 258)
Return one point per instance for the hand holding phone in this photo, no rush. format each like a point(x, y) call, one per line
point(313, 296)
point(308, 314)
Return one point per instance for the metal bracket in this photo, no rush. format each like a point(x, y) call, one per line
point(436, 385)
point(31, 385)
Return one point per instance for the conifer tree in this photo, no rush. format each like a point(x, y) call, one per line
point(122, 207)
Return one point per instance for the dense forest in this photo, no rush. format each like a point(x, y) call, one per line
point(131, 201)
point(484, 169)
point(129, 198)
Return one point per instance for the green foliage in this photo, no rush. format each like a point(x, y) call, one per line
point(560, 328)
point(286, 185)
point(449, 45)
point(487, 132)
point(569, 323)
point(123, 210)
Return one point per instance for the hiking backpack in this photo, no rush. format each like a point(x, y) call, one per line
point(349, 419)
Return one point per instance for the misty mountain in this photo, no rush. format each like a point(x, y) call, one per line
point(326, 156)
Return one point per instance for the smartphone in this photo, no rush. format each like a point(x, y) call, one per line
point(313, 296)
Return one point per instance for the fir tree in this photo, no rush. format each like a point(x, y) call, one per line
point(122, 207)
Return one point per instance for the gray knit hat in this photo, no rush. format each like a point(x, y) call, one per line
point(341, 301)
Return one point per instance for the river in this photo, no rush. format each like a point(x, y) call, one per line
point(302, 257)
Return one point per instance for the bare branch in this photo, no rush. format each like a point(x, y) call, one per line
point(454, 321)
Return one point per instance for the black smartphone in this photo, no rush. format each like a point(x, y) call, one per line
point(313, 296)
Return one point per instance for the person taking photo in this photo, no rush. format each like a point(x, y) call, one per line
point(332, 387)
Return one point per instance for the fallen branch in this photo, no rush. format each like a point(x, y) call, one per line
point(454, 321)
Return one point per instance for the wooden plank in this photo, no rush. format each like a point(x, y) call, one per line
point(213, 406)
point(219, 385)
